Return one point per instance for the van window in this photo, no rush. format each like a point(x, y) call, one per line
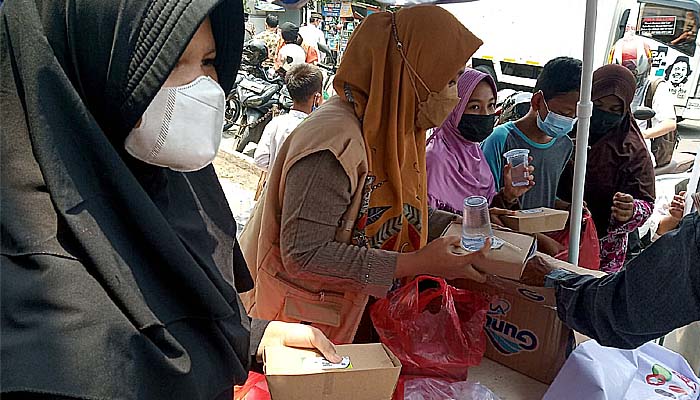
point(622, 25)
point(675, 27)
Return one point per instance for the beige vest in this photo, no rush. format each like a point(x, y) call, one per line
point(278, 294)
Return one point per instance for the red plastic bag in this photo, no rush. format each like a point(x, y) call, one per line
point(255, 388)
point(433, 328)
point(589, 247)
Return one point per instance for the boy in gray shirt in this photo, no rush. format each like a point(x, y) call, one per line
point(543, 131)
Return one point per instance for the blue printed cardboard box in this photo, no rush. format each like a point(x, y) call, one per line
point(523, 330)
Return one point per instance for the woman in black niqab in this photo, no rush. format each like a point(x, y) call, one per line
point(119, 279)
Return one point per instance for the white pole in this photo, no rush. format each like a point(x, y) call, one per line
point(584, 111)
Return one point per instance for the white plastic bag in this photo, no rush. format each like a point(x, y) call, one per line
point(650, 372)
point(438, 389)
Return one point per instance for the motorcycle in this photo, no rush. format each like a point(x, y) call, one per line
point(260, 101)
point(329, 71)
point(256, 98)
point(233, 108)
point(681, 162)
point(667, 181)
point(512, 105)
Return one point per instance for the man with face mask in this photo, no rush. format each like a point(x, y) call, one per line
point(543, 131)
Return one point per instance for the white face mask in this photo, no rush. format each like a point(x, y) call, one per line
point(181, 128)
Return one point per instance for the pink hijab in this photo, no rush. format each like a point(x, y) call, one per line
point(457, 167)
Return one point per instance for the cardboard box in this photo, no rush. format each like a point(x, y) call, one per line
point(536, 220)
point(522, 326)
point(505, 382)
point(373, 376)
point(509, 260)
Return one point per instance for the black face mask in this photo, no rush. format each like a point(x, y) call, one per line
point(602, 122)
point(476, 128)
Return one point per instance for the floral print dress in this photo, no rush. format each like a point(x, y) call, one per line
point(613, 246)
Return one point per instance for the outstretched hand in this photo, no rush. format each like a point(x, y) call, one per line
point(677, 207)
point(442, 258)
point(536, 270)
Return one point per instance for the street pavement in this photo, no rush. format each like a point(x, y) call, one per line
point(240, 199)
point(690, 136)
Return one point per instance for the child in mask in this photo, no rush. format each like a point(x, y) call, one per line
point(543, 131)
point(304, 82)
point(455, 162)
point(619, 187)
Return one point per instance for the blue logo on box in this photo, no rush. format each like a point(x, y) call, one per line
point(531, 294)
point(507, 337)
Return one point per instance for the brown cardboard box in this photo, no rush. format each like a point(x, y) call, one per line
point(505, 382)
point(523, 329)
point(509, 260)
point(536, 220)
point(373, 376)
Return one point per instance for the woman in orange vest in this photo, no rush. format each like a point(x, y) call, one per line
point(345, 211)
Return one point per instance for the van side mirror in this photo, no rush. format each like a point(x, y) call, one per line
point(644, 114)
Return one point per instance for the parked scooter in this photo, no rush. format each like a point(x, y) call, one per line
point(666, 181)
point(261, 101)
point(329, 71)
point(680, 163)
point(255, 99)
point(512, 105)
point(254, 53)
point(233, 108)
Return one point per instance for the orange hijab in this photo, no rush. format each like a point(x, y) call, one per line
point(375, 77)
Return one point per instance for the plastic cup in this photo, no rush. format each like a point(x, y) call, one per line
point(476, 224)
point(519, 161)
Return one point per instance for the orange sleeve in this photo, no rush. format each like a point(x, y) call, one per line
point(311, 55)
point(280, 44)
point(278, 59)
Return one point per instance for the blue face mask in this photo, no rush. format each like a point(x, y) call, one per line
point(555, 125)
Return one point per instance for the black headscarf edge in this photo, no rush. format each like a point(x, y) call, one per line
point(149, 68)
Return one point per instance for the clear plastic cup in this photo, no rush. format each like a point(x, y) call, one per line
point(476, 224)
point(519, 161)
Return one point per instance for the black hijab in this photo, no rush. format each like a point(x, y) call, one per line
point(117, 277)
point(618, 161)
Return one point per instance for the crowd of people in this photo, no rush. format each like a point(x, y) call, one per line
point(289, 45)
point(121, 273)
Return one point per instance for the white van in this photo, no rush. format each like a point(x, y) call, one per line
point(521, 36)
